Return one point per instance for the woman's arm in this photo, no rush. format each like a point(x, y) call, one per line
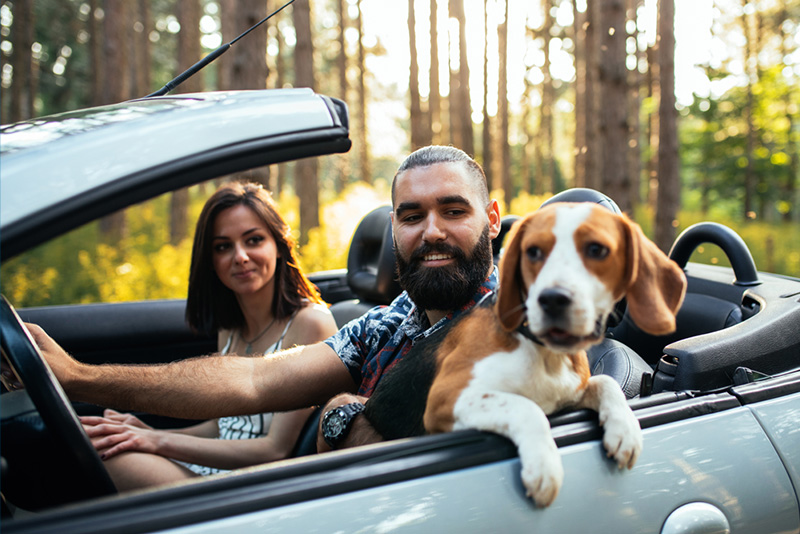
point(111, 438)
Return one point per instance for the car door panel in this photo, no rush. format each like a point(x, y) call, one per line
point(781, 421)
point(724, 460)
point(126, 332)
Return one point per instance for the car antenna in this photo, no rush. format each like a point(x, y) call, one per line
point(191, 71)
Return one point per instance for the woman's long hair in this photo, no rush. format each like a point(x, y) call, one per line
point(210, 305)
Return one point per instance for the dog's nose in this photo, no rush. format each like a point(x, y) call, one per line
point(554, 301)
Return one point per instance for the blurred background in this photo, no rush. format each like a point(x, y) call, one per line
point(680, 110)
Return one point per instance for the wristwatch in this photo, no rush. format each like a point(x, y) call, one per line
point(336, 422)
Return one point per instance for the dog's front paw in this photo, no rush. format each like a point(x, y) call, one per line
point(623, 438)
point(542, 476)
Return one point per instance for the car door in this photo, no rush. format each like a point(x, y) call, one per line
point(721, 462)
point(708, 465)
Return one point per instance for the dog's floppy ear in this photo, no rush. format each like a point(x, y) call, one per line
point(509, 307)
point(656, 285)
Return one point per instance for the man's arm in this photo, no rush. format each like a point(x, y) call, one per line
point(361, 431)
point(205, 387)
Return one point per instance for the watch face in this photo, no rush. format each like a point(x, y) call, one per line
point(335, 424)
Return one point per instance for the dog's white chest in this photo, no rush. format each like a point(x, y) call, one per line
point(523, 372)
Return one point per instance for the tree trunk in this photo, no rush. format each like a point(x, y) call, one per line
point(342, 161)
point(749, 174)
point(548, 179)
point(464, 101)
point(418, 126)
point(668, 166)
point(250, 55)
point(502, 110)
point(635, 104)
point(228, 25)
point(593, 155)
point(189, 48)
point(789, 188)
point(434, 100)
point(95, 31)
point(528, 160)
point(117, 85)
point(579, 38)
point(142, 27)
point(23, 66)
point(306, 179)
point(614, 111)
point(361, 135)
point(189, 53)
point(278, 178)
point(488, 149)
point(654, 83)
point(453, 98)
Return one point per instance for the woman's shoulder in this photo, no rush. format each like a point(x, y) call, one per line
point(313, 322)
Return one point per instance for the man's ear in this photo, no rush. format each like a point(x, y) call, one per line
point(493, 212)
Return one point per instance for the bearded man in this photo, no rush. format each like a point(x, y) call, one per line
point(442, 223)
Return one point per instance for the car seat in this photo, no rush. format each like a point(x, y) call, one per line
point(370, 267)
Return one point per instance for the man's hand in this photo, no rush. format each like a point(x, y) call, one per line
point(63, 365)
point(361, 431)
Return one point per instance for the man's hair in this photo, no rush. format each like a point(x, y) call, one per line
point(433, 154)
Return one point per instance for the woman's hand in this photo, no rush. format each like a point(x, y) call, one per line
point(125, 419)
point(115, 433)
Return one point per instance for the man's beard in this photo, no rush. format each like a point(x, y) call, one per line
point(449, 287)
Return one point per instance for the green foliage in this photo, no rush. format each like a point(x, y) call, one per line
point(714, 148)
point(80, 267)
point(775, 246)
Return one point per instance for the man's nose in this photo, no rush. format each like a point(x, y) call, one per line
point(434, 229)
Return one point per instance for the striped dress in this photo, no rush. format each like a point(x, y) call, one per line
point(241, 426)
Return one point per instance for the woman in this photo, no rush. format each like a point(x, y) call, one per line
point(245, 285)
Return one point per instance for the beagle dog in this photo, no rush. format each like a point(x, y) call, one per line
point(504, 368)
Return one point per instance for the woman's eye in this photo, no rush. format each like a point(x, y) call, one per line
point(221, 247)
point(255, 240)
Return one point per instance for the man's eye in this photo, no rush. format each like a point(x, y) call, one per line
point(534, 254)
point(596, 251)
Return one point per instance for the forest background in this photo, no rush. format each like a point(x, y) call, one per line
point(680, 110)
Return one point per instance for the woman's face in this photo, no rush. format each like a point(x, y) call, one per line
point(243, 250)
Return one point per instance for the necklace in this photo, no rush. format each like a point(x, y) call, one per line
point(248, 349)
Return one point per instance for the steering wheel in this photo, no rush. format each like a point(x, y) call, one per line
point(55, 409)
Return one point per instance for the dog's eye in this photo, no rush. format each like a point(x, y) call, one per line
point(534, 254)
point(596, 251)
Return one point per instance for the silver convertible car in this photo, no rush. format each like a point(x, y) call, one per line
point(719, 405)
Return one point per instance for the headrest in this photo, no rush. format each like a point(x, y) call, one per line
point(370, 262)
point(581, 194)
